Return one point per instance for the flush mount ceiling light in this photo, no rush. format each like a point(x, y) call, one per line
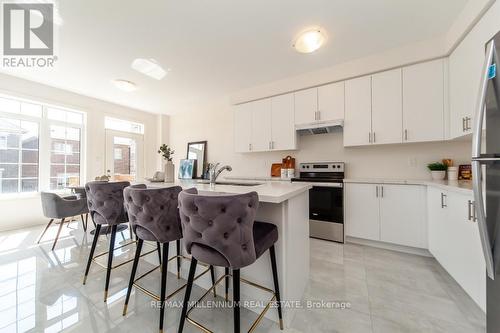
point(310, 40)
point(125, 85)
point(149, 67)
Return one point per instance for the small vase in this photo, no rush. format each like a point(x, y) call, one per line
point(169, 172)
point(438, 175)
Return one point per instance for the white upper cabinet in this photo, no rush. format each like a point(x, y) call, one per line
point(358, 105)
point(243, 127)
point(306, 106)
point(423, 102)
point(387, 107)
point(466, 63)
point(261, 125)
point(331, 102)
point(265, 125)
point(283, 134)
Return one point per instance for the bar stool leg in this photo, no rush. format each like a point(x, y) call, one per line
point(83, 224)
point(226, 281)
point(178, 245)
point(192, 270)
point(92, 249)
point(212, 275)
point(163, 292)
point(58, 233)
point(236, 300)
point(110, 260)
point(276, 284)
point(132, 274)
point(159, 251)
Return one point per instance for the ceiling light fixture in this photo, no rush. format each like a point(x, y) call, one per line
point(309, 40)
point(149, 67)
point(125, 85)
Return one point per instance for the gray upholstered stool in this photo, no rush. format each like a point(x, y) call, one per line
point(56, 207)
point(105, 203)
point(154, 216)
point(222, 231)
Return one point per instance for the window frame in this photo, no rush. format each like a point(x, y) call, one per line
point(44, 140)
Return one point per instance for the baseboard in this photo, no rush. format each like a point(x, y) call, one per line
point(389, 246)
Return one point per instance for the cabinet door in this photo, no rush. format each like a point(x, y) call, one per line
point(283, 126)
point(387, 107)
point(423, 102)
point(261, 125)
point(358, 112)
point(467, 264)
point(402, 215)
point(436, 222)
point(306, 106)
point(243, 128)
point(362, 218)
point(465, 73)
point(331, 102)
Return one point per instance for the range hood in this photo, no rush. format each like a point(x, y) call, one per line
point(320, 127)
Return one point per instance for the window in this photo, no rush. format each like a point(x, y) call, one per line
point(40, 146)
point(18, 155)
point(123, 125)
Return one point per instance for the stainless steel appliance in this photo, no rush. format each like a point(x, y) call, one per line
point(326, 199)
point(486, 177)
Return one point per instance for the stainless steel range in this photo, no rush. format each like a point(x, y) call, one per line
point(326, 199)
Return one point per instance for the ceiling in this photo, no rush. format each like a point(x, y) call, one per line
point(217, 47)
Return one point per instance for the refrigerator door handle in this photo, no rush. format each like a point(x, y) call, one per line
point(476, 165)
point(481, 218)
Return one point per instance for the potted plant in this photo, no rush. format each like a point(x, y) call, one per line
point(167, 152)
point(438, 170)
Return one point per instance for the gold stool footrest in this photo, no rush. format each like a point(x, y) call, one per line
point(253, 284)
point(157, 297)
point(116, 248)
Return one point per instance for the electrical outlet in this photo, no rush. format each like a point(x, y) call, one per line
point(412, 162)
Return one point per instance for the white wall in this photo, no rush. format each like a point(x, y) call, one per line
point(27, 210)
point(214, 123)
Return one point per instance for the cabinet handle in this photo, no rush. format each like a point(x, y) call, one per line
point(272, 144)
point(374, 139)
point(469, 204)
point(467, 123)
point(406, 135)
point(443, 204)
point(381, 191)
point(370, 137)
point(376, 191)
point(472, 211)
point(319, 115)
point(463, 124)
point(249, 146)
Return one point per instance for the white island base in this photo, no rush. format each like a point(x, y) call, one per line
point(287, 206)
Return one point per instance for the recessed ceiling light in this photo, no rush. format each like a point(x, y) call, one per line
point(125, 85)
point(149, 67)
point(309, 40)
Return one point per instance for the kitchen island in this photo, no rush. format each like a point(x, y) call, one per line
point(286, 205)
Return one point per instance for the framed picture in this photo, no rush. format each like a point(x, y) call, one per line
point(186, 169)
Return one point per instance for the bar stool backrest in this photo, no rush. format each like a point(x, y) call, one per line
point(154, 213)
point(105, 201)
point(218, 230)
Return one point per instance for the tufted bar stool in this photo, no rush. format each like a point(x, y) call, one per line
point(222, 231)
point(105, 203)
point(154, 216)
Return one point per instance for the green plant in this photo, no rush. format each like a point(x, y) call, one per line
point(166, 152)
point(436, 166)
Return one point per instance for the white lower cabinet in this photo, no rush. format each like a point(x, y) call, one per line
point(454, 241)
point(389, 213)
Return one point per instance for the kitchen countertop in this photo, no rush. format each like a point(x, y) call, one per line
point(268, 191)
point(461, 186)
point(264, 179)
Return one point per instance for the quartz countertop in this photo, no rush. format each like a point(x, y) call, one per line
point(461, 186)
point(268, 191)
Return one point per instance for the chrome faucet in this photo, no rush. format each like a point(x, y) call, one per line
point(214, 173)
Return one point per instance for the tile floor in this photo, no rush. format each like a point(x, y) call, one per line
point(42, 291)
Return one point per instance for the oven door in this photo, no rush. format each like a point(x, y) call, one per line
point(326, 213)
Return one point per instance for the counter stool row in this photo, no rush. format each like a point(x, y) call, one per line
point(216, 231)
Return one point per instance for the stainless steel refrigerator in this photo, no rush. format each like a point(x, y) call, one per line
point(486, 177)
